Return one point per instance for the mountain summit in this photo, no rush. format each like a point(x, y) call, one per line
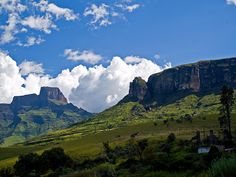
point(46, 95)
point(175, 83)
point(32, 115)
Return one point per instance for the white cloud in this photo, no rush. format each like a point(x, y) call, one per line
point(10, 29)
point(109, 85)
point(95, 88)
point(133, 59)
point(31, 41)
point(100, 14)
point(127, 6)
point(59, 12)
point(11, 80)
point(231, 2)
point(42, 23)
point(12, 6)
point(26, 15)
point(133, 7)
point(30, 67)
point(87, 56)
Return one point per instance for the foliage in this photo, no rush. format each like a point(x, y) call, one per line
point(33, 164)
point(227, 100)
point(27, 165)
point(224, 167)
point(6, 172)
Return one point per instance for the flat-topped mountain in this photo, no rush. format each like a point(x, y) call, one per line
point(32, 115)
point(174, 83)
point(45, 97)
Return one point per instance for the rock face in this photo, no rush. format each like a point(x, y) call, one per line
point(47, 94)
point(32, 115)
point(137, 90)
point(198, 78)
point(50, 93)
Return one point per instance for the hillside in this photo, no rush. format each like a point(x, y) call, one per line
point(182, 93)
point(192, 111)
point(31, 115)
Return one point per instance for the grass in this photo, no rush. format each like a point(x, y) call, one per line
point(118, 123)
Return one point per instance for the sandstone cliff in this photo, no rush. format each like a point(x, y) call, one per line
point(171, 84)
point(32, 115)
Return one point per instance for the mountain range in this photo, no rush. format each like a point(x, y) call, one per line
point(31, 115)
point(190, 90)
point(187, 92)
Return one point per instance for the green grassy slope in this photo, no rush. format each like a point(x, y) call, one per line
point(38, 121)
point(118, 123)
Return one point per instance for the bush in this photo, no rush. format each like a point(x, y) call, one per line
point(171, 138)
point(54, 159)
point(27, 165)
point(33, 165)
point(105, 170)
point(6, 172)
point(224, 168)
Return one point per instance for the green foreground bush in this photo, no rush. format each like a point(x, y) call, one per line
point(225, 167)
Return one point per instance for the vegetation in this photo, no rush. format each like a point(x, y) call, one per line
point(127, 140)
point(224, 167)
point(227, 100)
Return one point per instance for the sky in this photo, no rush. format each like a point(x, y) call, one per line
point(93, 49)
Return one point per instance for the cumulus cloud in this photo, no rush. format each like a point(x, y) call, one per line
point(29, 67)
point(86, 55)
point(94, 89)
point(11, 80)
point(106, 86)
point(231, 2)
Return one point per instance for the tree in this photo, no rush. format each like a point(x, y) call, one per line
point(226, 100)
point(27, 164)
point(142, 144)
point(54, 159)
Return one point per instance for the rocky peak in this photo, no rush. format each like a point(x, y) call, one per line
point(138, 89)
point(46, 95)
point(52, 93)
point(171, 84)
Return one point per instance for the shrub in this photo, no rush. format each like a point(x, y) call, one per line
point(171, 138)
point(224, 167)
point(105, 170)
point(55, 158)
point(6, 172)
point(27, 165)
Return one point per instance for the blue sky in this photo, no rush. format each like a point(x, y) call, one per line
point(50, 37)
point(179, 31)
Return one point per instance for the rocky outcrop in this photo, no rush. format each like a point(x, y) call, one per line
point(137, 90)
point(32, 115)
point(46, 95)
point(51, 93)
point(198, 78)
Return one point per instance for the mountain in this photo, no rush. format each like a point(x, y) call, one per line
point(187, 94)
point(31, 115)
point(199, 78)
